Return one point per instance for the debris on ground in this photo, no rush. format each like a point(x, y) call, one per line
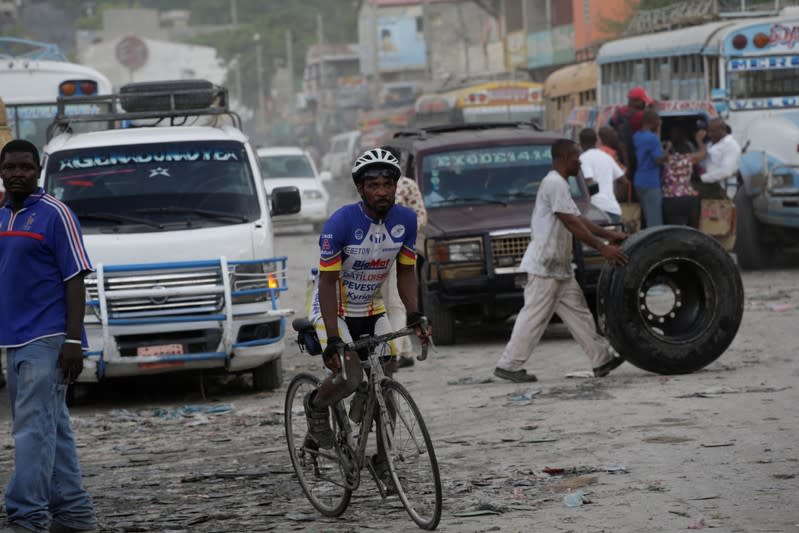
point(700, 524)
point(574, 499)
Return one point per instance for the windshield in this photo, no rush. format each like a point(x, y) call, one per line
point(501, 174)
point(30, 121)
point(151, 187)
point(763, 83)
point(285, 166)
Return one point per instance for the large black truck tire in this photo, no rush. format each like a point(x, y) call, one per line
point(676, 306)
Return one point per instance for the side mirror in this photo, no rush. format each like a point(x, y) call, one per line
point(285, 201)
point(593, 188)
point(325, 175)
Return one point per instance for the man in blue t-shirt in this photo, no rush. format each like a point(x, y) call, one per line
point(42, 265)
point(649, 156)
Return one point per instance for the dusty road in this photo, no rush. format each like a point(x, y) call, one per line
point(715, 449)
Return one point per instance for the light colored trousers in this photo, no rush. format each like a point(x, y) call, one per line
point(542, 298)
point(396, 311)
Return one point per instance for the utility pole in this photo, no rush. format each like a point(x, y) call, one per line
point(321, 105)
point(260, 125)
point(234, 13)
point(292, 94)
point(237, 73)
point(428, 48)
point(374, 56)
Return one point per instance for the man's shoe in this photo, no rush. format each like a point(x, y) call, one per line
point(14, 528)
point(405, 361)
point(379, 465)
point(604, 370)
point(55, 527)
point(517, 376)
point(318, 422)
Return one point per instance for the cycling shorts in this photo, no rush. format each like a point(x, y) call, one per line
point(354, 327)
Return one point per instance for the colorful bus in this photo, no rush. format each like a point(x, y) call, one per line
point(748, 69)
point(496, 101)
point(568, 88)
point(32, 76)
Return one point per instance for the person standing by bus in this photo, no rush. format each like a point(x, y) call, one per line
point(627, 121)
point(681, 202)
point(599, 167)
point(722, 161)
point(649, 156)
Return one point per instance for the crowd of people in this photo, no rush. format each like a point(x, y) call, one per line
point(669, 178)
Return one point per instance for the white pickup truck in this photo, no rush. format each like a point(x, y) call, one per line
point(176, 223)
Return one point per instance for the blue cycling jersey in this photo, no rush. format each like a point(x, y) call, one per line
point(363, 249)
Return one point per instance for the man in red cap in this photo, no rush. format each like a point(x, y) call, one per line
point(626, 121)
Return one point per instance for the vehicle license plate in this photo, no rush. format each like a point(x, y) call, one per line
point(160, 349)
point(520, 281)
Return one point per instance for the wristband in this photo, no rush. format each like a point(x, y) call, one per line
point(72, 341)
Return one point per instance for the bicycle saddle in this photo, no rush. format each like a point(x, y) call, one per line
point(301, 323)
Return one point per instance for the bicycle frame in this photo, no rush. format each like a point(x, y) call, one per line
point(375, 400)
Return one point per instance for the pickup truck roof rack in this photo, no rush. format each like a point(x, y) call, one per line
point(473, 126)
point(175, 104)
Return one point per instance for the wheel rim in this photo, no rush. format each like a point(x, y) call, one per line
point(676, 300)
point(412, 460)
point(318, 471)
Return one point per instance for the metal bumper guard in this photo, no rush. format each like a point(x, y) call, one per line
point(276, 282)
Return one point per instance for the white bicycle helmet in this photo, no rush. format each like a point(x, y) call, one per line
point(376, 157)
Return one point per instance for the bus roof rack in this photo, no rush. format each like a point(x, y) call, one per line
point(153, 100)
point(448, 128)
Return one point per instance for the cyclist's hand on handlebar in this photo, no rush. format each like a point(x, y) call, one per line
point(416, 319)
point(330, 355)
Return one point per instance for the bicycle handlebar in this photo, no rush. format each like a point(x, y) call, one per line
point(376, 340)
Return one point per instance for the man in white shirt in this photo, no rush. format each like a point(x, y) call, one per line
point(722, 161)
point(551, 286)
point(604, 171)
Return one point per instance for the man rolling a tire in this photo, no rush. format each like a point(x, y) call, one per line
point(551, 286)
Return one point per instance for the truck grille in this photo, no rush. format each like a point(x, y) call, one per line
point(134, 307)
point(509, 250)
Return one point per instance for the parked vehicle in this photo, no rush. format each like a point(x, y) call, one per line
point(338, 159)
point(479, 183)
point(290, 166)
point(31, 80)
point(747, 67)
point(177, 224)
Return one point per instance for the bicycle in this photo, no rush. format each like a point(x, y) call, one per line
point(329, 476)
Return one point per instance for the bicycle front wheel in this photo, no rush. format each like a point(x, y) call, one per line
point(411, 458)
point(319, 471)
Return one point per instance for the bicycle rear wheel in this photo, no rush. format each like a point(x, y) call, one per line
point(319, 471)
point(411, 458)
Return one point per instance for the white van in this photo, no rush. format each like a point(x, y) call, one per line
point(177, 225)
point(339, 158)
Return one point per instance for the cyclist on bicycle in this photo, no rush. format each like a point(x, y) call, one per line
point(358, 245)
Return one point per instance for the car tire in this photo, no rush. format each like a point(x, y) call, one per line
point(676, 306)
point(268, 376)
point(441, 318)
point(748, 248)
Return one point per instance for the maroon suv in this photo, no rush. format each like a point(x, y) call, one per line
point(479, 183)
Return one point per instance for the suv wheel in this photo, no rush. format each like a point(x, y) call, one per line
point(442, 318)
point(268, 376)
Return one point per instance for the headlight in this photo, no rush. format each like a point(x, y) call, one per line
point(459, 251)
point(311, 194)
point(781, 181)
point(249, 276)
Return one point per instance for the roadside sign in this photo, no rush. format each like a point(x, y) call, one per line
point(132, 52)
